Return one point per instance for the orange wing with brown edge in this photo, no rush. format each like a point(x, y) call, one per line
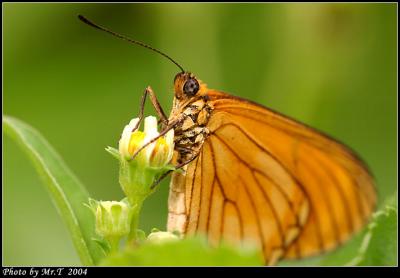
point(267, 180)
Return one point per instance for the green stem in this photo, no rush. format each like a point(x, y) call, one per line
point(136, 207)
point(114, 244)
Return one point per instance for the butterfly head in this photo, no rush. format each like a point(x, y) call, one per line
point(186, 86)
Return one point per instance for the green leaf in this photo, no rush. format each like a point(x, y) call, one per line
point(187, 252)
point(114, 152)
point(67, 193)
point(103, 244)
point(379, 246)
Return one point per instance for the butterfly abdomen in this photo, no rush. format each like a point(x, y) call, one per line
point(177, 215)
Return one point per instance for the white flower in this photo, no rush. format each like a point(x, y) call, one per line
point(156, 154)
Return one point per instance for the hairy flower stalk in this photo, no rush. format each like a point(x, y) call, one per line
point(137, 175)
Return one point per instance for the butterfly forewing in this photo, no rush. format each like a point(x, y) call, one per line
point(265, 180)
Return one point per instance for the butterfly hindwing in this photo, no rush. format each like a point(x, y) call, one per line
point(264, 179)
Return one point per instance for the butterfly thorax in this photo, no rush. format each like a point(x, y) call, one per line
point(191, 130)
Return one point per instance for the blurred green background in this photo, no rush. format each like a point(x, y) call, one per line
point(332, 66)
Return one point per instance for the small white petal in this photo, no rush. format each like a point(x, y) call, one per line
point(150, 126)
point(150, 130)
point(123, 145)
point(169, 137)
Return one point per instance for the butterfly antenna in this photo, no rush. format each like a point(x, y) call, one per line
point(90, 23)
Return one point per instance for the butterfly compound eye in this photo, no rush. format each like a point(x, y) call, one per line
point(191, 87)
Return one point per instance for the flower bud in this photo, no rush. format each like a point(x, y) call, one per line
point(157, 154)
point(113, 219)
point(161, 237)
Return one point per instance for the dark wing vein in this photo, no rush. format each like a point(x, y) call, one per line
point(297, 181)
point(350, 154)
point(339, 189)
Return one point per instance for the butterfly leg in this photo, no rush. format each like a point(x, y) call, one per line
point(156, 105)
point(179, 166)
point(193, 157)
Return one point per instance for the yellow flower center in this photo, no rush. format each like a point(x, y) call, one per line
point(136, 141)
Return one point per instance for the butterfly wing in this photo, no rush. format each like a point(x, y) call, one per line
point(267, 180)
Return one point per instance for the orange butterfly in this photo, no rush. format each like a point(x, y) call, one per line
point(254, 176)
